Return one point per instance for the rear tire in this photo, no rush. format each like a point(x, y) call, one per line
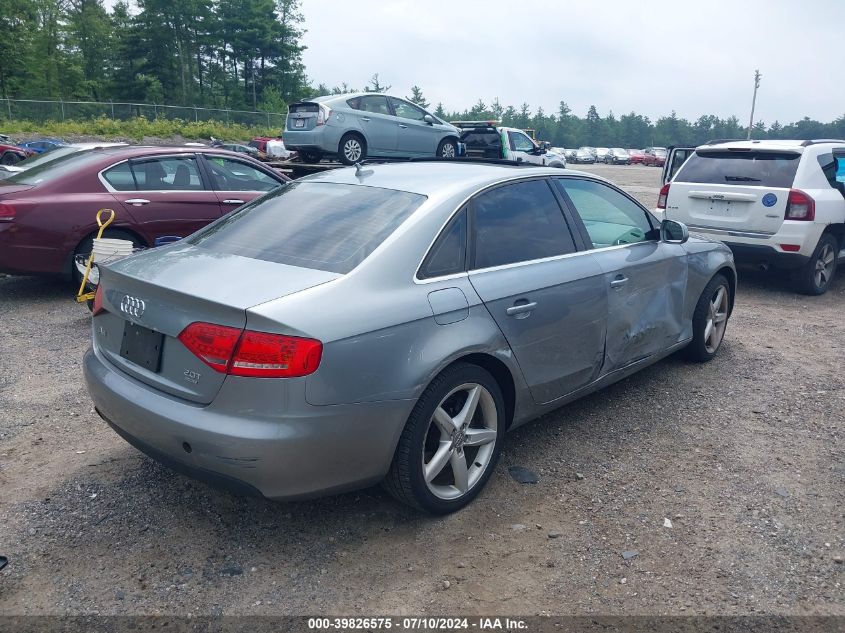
point(451, 441)
point(815, 276)
point(311, 157)
point(85, 246)
point(352, 149)
point(710, 320)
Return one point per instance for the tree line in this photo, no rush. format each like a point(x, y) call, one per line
point(238, 54)
point(247, 54)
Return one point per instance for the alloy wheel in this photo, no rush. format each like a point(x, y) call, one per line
point(448, 151)
point(824, 266)
point(460, 441)
point(352, 150)
point(717, 320)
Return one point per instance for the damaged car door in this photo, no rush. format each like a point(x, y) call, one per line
point(645, 278)
point(547, 298)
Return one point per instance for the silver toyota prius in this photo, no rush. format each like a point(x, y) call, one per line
point(391, 322)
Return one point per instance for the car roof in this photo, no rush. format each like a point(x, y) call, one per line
point(129, 151)
point(435, 179)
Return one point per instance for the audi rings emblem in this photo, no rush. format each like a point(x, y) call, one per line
point(132, 306)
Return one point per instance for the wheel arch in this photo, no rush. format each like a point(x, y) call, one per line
point(729, 274)
point(838, 231)
point(501, 374)
point(68, 267)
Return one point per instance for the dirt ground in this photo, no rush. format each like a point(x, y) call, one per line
point(744, 456)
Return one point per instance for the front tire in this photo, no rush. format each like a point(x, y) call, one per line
point(815, 276)
point(451, 441)
point(352, 149)
point(447, 149)
point(710, 320)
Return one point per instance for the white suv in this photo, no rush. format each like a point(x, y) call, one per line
point(774, 203)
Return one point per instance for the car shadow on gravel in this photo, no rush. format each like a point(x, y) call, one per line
point(36, 288)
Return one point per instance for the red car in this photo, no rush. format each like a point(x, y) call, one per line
point(637, 156)
point(47, 213)
point(12, 154)
point(654, 156)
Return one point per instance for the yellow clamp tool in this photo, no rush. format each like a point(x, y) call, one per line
point(87, 296)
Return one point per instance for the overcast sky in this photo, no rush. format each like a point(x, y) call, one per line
point(650, 56)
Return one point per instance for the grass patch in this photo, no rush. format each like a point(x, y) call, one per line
point(137, 128)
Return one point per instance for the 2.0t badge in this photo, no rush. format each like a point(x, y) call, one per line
point(132, 306)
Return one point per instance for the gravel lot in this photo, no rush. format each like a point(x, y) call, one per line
point(744, 456)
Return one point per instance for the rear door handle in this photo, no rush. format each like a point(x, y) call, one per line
point(233, 201)
point(618, 282)
point(403, 126)
point(365, 119)
point(521, 308)
point(137, 201)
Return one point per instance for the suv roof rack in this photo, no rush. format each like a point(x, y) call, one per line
point(818, 141)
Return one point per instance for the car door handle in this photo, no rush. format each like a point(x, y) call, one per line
point(403, 126)
point(137, 201)
point(365, 119)
point(618, 282)
point(233, 201)
point(521, 308)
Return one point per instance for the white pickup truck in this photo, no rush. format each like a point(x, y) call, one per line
point(488, 139)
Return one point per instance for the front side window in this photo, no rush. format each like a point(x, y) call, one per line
point(520, 142)
point(173, 173)
point(324, 226)
point(519, 222)
point(405, 110)
point(610, 217)
point(235, 175)
point(448, 255)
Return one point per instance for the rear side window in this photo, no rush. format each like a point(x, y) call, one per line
point(326, 226)
point(517, 223)
point(757, 169)
point(173, 173)
point(120, 177)
point(448, 255)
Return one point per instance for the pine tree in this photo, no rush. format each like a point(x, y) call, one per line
point(417, 97)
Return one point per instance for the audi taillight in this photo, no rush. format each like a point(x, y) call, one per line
point(800, 206)
point(7, 212)
point(248, 353)
point(663, 197)
point(97, 308)
point(323, 114)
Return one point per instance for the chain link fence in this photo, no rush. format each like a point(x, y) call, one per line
point(41, 111)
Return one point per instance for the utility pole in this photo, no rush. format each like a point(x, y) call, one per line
point(757, 77)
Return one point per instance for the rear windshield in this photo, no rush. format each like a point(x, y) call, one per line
point(52, 169)
point(327, 226)
point(763, 169)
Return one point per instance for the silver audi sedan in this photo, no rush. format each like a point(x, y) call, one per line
point(391, 322)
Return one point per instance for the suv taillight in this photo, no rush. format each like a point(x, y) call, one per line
point(247, 353)
point(323, 114)
point(800, 206)
point(7, 212)
point(664, 195)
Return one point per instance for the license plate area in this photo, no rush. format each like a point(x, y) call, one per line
point(299, 123)
point(142, 346)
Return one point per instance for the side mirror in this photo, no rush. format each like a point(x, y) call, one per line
point(429, 119)
point(673, 232)
point(546, 145)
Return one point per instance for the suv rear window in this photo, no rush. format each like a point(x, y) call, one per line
point(757, 169)
point(327, 226)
